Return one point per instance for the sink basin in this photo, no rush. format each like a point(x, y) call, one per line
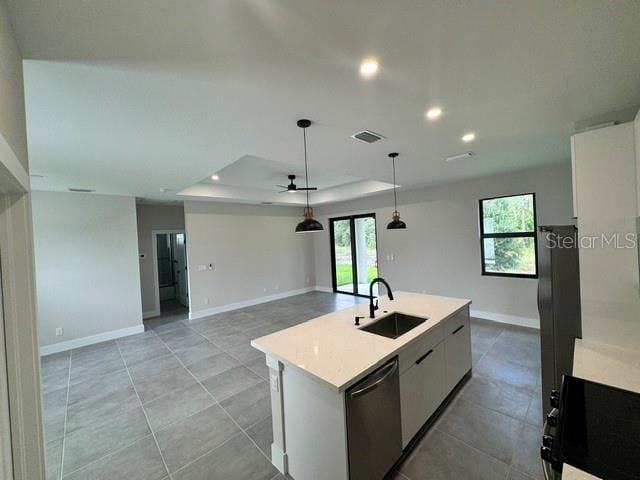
point(394, 325)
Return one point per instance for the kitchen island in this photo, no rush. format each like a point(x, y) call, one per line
point(313, 365)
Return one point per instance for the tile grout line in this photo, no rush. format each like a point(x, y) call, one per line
point(126, 367)
point(217, 403)
point(468, 400)
point(473, 448)
point(66, 413)
point(109, 454)
point(153, 434)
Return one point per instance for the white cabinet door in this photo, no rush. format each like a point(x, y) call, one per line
point(457, 349)
point(422, 389)
point(636, 128)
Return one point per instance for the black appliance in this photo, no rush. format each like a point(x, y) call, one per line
point(558, 304)
point(595, 428)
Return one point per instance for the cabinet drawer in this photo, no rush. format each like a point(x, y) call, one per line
point(457, 320)
point(421, 345)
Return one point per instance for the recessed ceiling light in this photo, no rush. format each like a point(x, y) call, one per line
point(215, 177)
point(434, 113)
point(468, 137)
point(369, 67)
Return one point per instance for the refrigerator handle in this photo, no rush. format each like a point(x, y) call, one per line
point(538, 298)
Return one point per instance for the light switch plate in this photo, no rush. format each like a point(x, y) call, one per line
point(274, 382)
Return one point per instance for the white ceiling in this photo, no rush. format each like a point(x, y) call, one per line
point(130, 97)
point(253, 179)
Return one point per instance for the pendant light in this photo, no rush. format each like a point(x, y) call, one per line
point(309, 224)
point(396, 223)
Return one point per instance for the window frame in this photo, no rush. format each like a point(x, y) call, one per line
point(532, 234)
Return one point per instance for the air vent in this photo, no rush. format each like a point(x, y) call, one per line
point(81, 190)
point(266, 203)
point(367, 136)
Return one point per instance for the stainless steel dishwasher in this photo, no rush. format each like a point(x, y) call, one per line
point(374, 436)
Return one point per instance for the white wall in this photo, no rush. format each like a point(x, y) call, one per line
point(439, 252)
point(254, 250)
point(87, 275)
point(153, 217)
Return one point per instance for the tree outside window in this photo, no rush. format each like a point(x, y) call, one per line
point(508, 236)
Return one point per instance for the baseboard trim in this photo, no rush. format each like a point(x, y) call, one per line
point(320, 288)
point(84, 341)
point(247, 303)
point(150, 314)
point(509, 319)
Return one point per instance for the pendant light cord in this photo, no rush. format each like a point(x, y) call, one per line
point(306, 172)
point(395, 198)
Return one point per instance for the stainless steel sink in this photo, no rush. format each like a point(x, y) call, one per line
point(393, 325)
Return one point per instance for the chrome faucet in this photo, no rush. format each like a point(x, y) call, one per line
point(372, 307)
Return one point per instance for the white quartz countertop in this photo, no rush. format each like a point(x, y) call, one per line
point(333, 350)
point(608, 364)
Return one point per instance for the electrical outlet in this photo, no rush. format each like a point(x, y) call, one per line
point(59, 332)
point(202, 268)
point(205, 300)
point(264, 289)
point(277, 286)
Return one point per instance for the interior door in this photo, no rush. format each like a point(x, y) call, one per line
point(354, 254)
point(180, 259)
point(6, 460)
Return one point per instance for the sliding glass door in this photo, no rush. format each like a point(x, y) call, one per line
point(354, 254)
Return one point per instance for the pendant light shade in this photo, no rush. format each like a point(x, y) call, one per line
point(396, 223)
point(309, 224)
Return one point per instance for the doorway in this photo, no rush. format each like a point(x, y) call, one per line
point(170, 265)
point(354, 253)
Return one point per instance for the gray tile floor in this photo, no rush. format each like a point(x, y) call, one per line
point(190, 400)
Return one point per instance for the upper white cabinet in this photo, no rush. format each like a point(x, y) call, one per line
point(606, 202)
point(637, 148)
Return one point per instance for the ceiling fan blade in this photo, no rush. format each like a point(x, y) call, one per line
point(283, 191)
point(282, 186)
point(307, 188)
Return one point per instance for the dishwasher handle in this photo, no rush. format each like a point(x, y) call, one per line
point(376, 379)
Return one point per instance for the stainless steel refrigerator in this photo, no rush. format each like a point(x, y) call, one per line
point(558, 304)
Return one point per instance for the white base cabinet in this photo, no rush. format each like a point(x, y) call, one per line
point(422, 390)
point(457, 349)
point(430, 370)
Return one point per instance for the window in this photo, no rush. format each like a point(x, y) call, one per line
point(508, 236)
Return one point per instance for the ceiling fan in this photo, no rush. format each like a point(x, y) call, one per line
point(292, 188)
